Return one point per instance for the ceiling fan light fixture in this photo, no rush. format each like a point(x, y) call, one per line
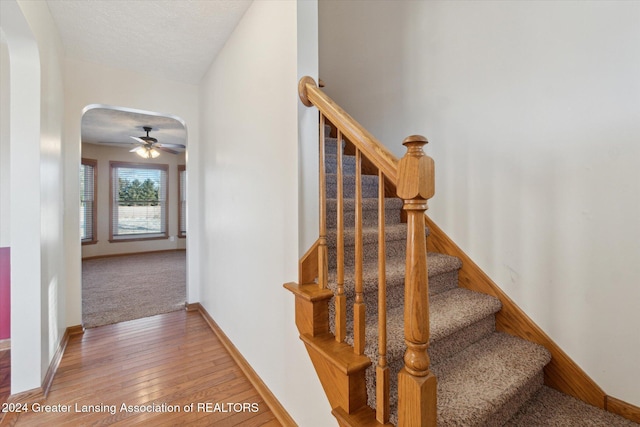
point(147, 152)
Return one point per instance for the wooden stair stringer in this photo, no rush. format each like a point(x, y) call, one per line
point(363, 417)
point(340, 370)
point(562, 373)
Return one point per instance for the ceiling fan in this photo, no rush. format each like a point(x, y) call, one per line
point(149, 146)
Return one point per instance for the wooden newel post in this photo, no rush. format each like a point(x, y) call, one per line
point(416, 383)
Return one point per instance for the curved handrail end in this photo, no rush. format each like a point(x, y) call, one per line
point(302, 89)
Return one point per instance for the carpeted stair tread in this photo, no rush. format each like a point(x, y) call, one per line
point(457, 309)
point(448, 312)
point(368, 204)
point(369, 185)
point(478, 382)
point(392, 209)
point(437, 264)
point(549, 407)
point(393, 232)
point(331, 146)
point(348, 164)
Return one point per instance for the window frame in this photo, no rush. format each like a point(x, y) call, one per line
point(94, 211)
point(182, 186)
point(163, 235)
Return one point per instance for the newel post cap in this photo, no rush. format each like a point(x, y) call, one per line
point(416, 171)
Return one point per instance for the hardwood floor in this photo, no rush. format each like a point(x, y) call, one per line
point(5, 375)
point(172, 363)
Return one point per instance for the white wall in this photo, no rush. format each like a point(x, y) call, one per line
point(106, 154)
point(5, 149)
point(249, 116)
point(533, 113)
point(308, 119)
point(86, 84)
point(37, 274)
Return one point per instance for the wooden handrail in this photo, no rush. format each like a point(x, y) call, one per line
point(370, 147)
point(413, 177)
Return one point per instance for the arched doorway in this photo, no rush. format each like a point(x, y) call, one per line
point(27, 347)
point(132, 214)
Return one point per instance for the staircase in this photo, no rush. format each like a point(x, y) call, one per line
point(484, 377)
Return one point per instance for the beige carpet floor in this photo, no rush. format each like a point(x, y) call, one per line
point(116, 289)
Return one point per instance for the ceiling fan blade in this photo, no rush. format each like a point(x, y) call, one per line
point(111, 143)
point(162, 148)
point(139, 140)
point(179, 146)
point(134, 149)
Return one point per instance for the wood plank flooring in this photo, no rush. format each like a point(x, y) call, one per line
point(5, 375)
point(164, 363)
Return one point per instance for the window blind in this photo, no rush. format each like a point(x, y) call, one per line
point(88, 200)
point(182, 197)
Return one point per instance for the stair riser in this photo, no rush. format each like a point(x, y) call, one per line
point(443, 348)
point(393, 249)
point(459, 340)
point(348, 164)
point(331, 146)
point(510, 408)
point(369, 186)
point(395, 289)
point(369, 217)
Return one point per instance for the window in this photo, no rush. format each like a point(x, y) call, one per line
point(138, 201)
point(88, 191)
point(182, 198)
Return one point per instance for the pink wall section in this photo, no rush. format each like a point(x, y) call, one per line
point(5, 294)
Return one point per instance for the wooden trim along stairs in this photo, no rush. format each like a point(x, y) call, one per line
point(340, 369)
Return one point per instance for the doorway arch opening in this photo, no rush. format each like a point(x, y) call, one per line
point(132, 214)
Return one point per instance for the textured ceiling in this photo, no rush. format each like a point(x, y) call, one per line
point(175, 40)
point(116, 127)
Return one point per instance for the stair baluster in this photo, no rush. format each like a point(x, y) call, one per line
point(382, 370)
point(416, 383)
point(358, 306)
point(323, 256)
point(341, 301)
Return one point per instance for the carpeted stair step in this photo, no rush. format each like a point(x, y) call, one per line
point(549, 407)
point(331, 146)
point(442, 270)
point(392, 207)
point(395, 244)
point(348, 164)
point(487, 383)
point(369, 186)
point(443, 277)
point(457, 319)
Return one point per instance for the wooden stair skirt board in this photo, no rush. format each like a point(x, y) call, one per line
point(272, 402)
